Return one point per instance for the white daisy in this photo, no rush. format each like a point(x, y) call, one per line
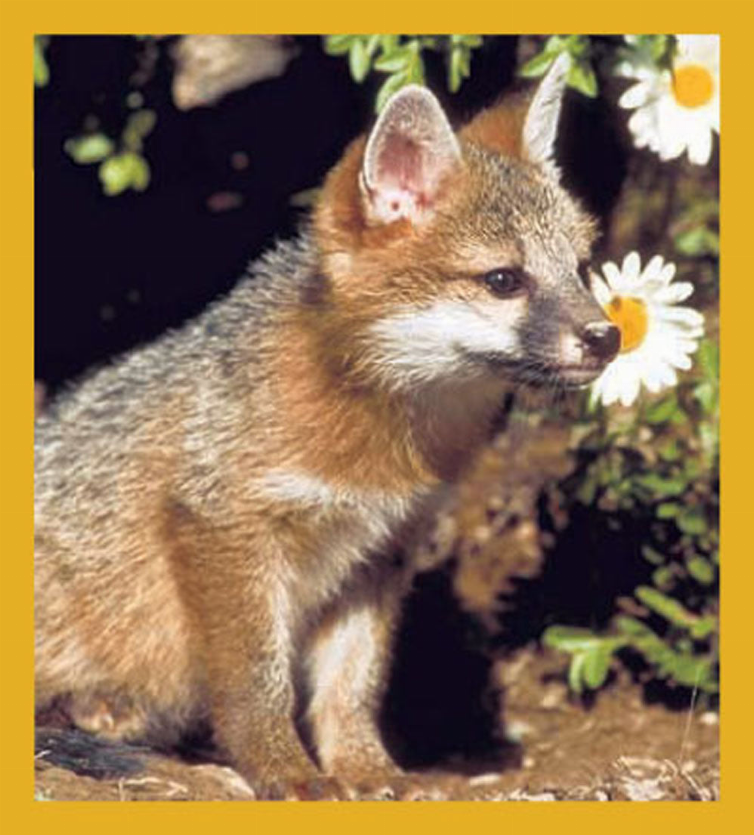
point(657, 337)
point(677, 109)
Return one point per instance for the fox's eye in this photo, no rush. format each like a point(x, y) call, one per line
point(504, 282)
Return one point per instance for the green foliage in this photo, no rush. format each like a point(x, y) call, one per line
point(656, 470)
point(459, 63)
point(696, 231)
point(581, 76)
point(87, 149)
point(41, 68)
point(591, 654)
point(122, 171)
point(122, 165)
point(647, 49)
point(401, 58)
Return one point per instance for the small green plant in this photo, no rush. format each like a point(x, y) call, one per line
point(400, 57)
point(581, 75)
point(696, 231)
point(41, 67)
point(657, 467)
point(122, 164)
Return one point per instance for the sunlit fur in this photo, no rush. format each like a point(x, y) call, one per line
point(214, 513)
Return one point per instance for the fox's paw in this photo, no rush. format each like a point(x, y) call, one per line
point(111, 717)
point(391, 783)
point(307, 788)
point(411, 787)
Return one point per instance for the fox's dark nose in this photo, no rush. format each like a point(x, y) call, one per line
point(602, 340)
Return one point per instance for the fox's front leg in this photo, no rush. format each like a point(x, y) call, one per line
point(245, 619)
point(349, 660)
point(349, 666)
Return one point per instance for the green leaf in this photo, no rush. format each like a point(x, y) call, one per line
point(660, 486)
point(428, 42)
point(596, 666)
point(665, 606)
point(670, 451)
point(88, 149)
point(359, 61)
point(396, 62)
point(115, 174)
point(389, 43)
point(123, 171)
point(709, 358)
point(470, 41)
point(570, 638)
point(701, 570)
point(706, 394)
point(578, 46)
point(416, 65)
point(632, 627)
point(663, 577)
point(338, 44)
point(704, 627)
point(658, 46)
point(538, 65)
point(139, 173)
point(698, 241)
point(667, 510)
point(575, 670)
point(455, 72)
point(372, 44)
point(41, 68)
point(692, 521)
point(139, 125)
point(652, 556)
point(661, 410)
point(582, 78)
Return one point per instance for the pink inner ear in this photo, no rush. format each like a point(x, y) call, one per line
point(410, 150)
point(401, 166)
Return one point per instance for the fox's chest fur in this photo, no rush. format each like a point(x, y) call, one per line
point(342, 529)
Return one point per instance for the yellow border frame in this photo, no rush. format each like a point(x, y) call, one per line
point(19, 20)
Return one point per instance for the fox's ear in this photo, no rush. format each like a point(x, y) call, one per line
point(541, 121)
point(524, 127)
point(409, 154)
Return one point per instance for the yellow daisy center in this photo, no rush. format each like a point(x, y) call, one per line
point(629, 315)
point(693, 85)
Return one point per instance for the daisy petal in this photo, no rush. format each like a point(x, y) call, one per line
point(674, 293)
point(600, 290)
point(611, 273)
point(635, 96)
point(653, 268)
point(668, 271)
point(629, 390)
point(680, 360)
point(631, 266)
point(700, 148)
point(681, 315)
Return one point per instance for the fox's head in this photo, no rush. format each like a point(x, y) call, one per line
point(459, 254)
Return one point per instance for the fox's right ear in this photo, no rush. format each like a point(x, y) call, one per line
point(410, 152)
point(541, 122)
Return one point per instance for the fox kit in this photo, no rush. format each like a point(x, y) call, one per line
point(215, 512)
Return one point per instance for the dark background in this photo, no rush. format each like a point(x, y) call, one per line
point(112, 272)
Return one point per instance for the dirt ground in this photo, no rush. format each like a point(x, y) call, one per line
point(473, 694)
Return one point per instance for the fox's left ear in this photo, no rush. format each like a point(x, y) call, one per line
point(410, 152)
